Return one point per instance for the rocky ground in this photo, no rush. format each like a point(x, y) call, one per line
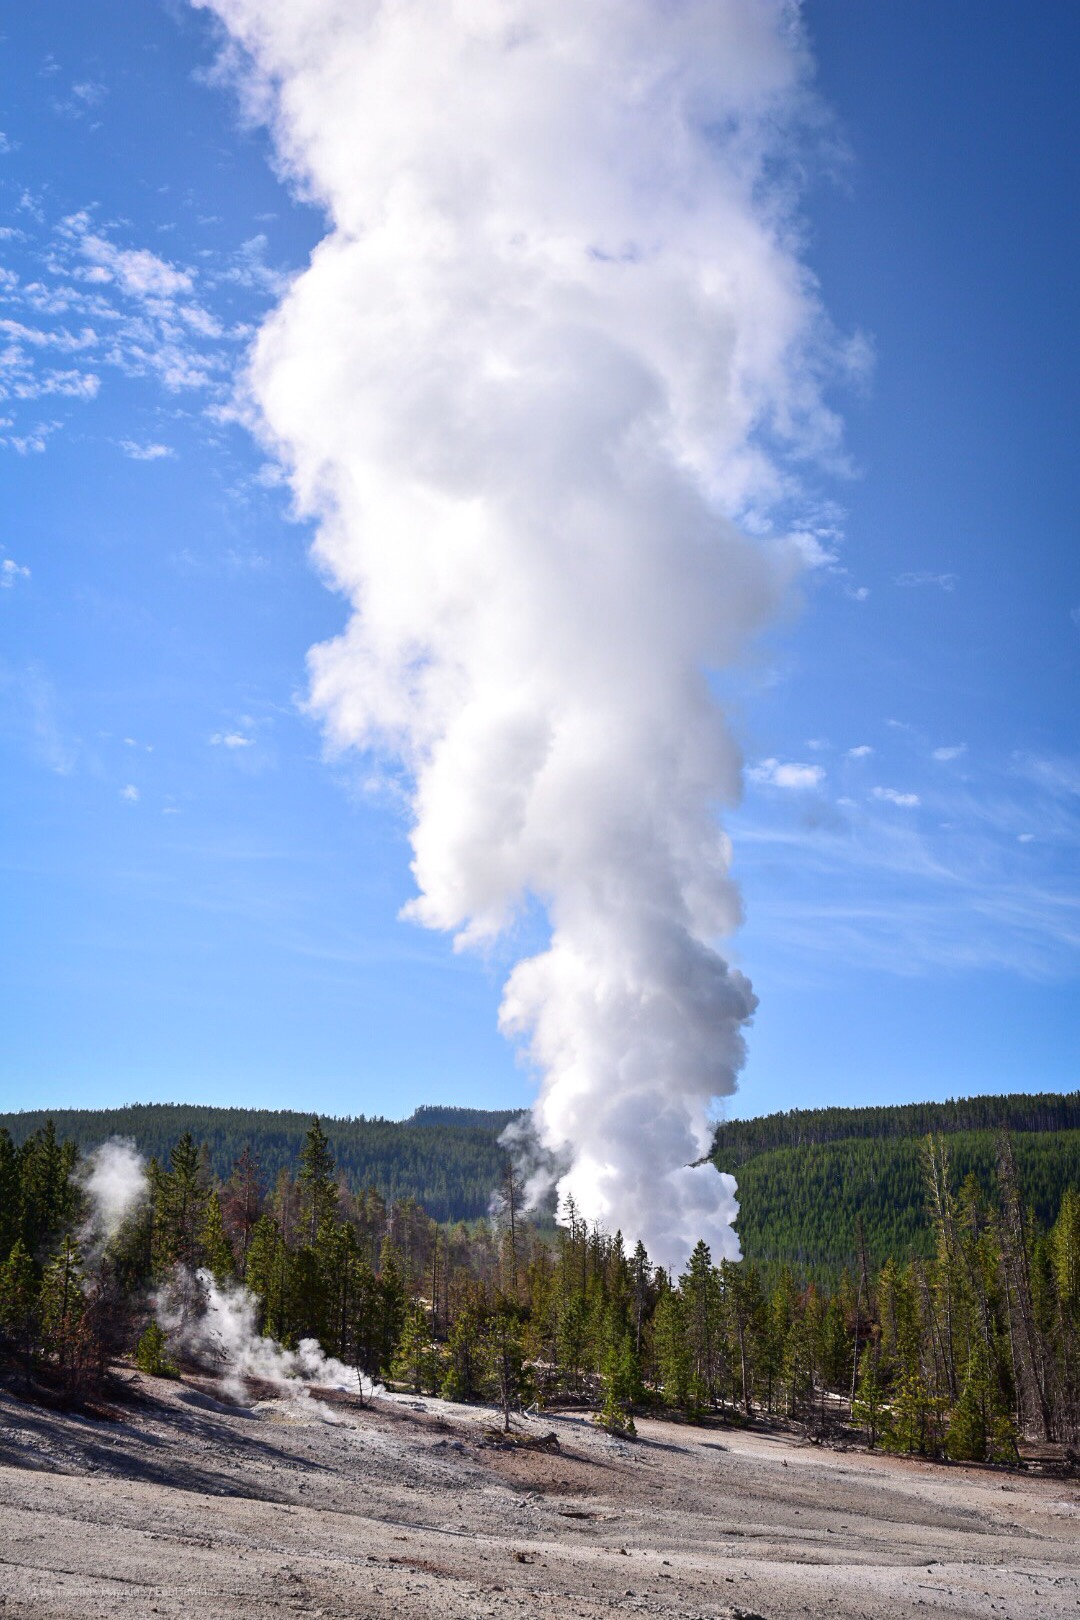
point(181, 1504)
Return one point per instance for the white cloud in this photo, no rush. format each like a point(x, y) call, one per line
point(230, 739)
point(145, 452)
point(140, 273)
point(812, 552)
point(11, 572)
point(954, 751)
point(907, 801)
point(130, 793)
point(1024, 838)
point(85, 96)
point(1055, 775)
point(944, 582)
point(33, 441)
point(90, 92)
point(775, 773)
point(860, 751)
point(857, 593)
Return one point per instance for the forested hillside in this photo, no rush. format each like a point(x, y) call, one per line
point(740, 1139)
point(447, 1159)
point(967, 1353)
point(804, 1176)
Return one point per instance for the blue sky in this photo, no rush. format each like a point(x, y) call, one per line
point(198, 905)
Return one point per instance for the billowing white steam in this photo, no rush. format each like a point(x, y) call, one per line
point(113, 1178)
point(523, 388)
point(216, 1325)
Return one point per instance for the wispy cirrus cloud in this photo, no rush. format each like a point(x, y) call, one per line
point(889, 795)
point(917, 577)
point(986, 876)
point(11, 572)
point(82, 291)
point(145, 452)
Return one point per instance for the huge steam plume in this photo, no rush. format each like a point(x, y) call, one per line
point(523, 389)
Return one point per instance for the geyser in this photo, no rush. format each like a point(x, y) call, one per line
point(537, 389)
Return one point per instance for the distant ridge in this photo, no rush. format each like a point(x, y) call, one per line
point(805, 1176)
point(481, 1119)
point(448, 1159)
point(1018, 1111)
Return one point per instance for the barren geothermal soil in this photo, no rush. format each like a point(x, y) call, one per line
point(186, 1506)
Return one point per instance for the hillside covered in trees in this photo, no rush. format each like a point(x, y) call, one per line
point(805, 1175)
point(964, 1353)
point(447, 1159)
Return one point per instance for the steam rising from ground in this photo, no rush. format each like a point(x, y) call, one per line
point(113, 1178)
point(216, 1325)
point(523, 389)
point(204, 1320)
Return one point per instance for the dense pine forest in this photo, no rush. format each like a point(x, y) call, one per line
point(803, 1175)
point(446, 1158)
point(966, 1349)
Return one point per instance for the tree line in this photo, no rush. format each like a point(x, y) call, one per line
point(799, 1204)
point(739, 1139)
point(447, 1158)
point(964, 1351)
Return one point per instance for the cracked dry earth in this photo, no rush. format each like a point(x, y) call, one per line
point(186, 1506)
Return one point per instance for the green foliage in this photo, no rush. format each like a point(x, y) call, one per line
point(980, 1429)
point(738, 1140)
point(869, 1403)
point(152, 1353)
point(958, 1342)
point(448, 1159)
point(505, 1376)
point(798, 1204)
point(19, 1295)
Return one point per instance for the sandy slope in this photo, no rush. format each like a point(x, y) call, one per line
point(188, 1507)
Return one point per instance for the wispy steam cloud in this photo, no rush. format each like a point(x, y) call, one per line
point(113, 1179)
point(217, 1326)
point(523, 390)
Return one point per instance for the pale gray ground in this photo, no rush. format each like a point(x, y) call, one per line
point(191, 1508)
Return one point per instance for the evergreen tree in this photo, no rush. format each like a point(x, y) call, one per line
point(213, 1243)
point(180, 1196)
point(62, 1308)
point(980, 1429)
point(318, 1186)
point(269, 1276)
point(464, 1373)
point(869, 1404)
point(152, 1353)
point(621, 1378)
point(415, 1361)
point(503, 1358)
point(671, 1352)
point(19, 1293)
